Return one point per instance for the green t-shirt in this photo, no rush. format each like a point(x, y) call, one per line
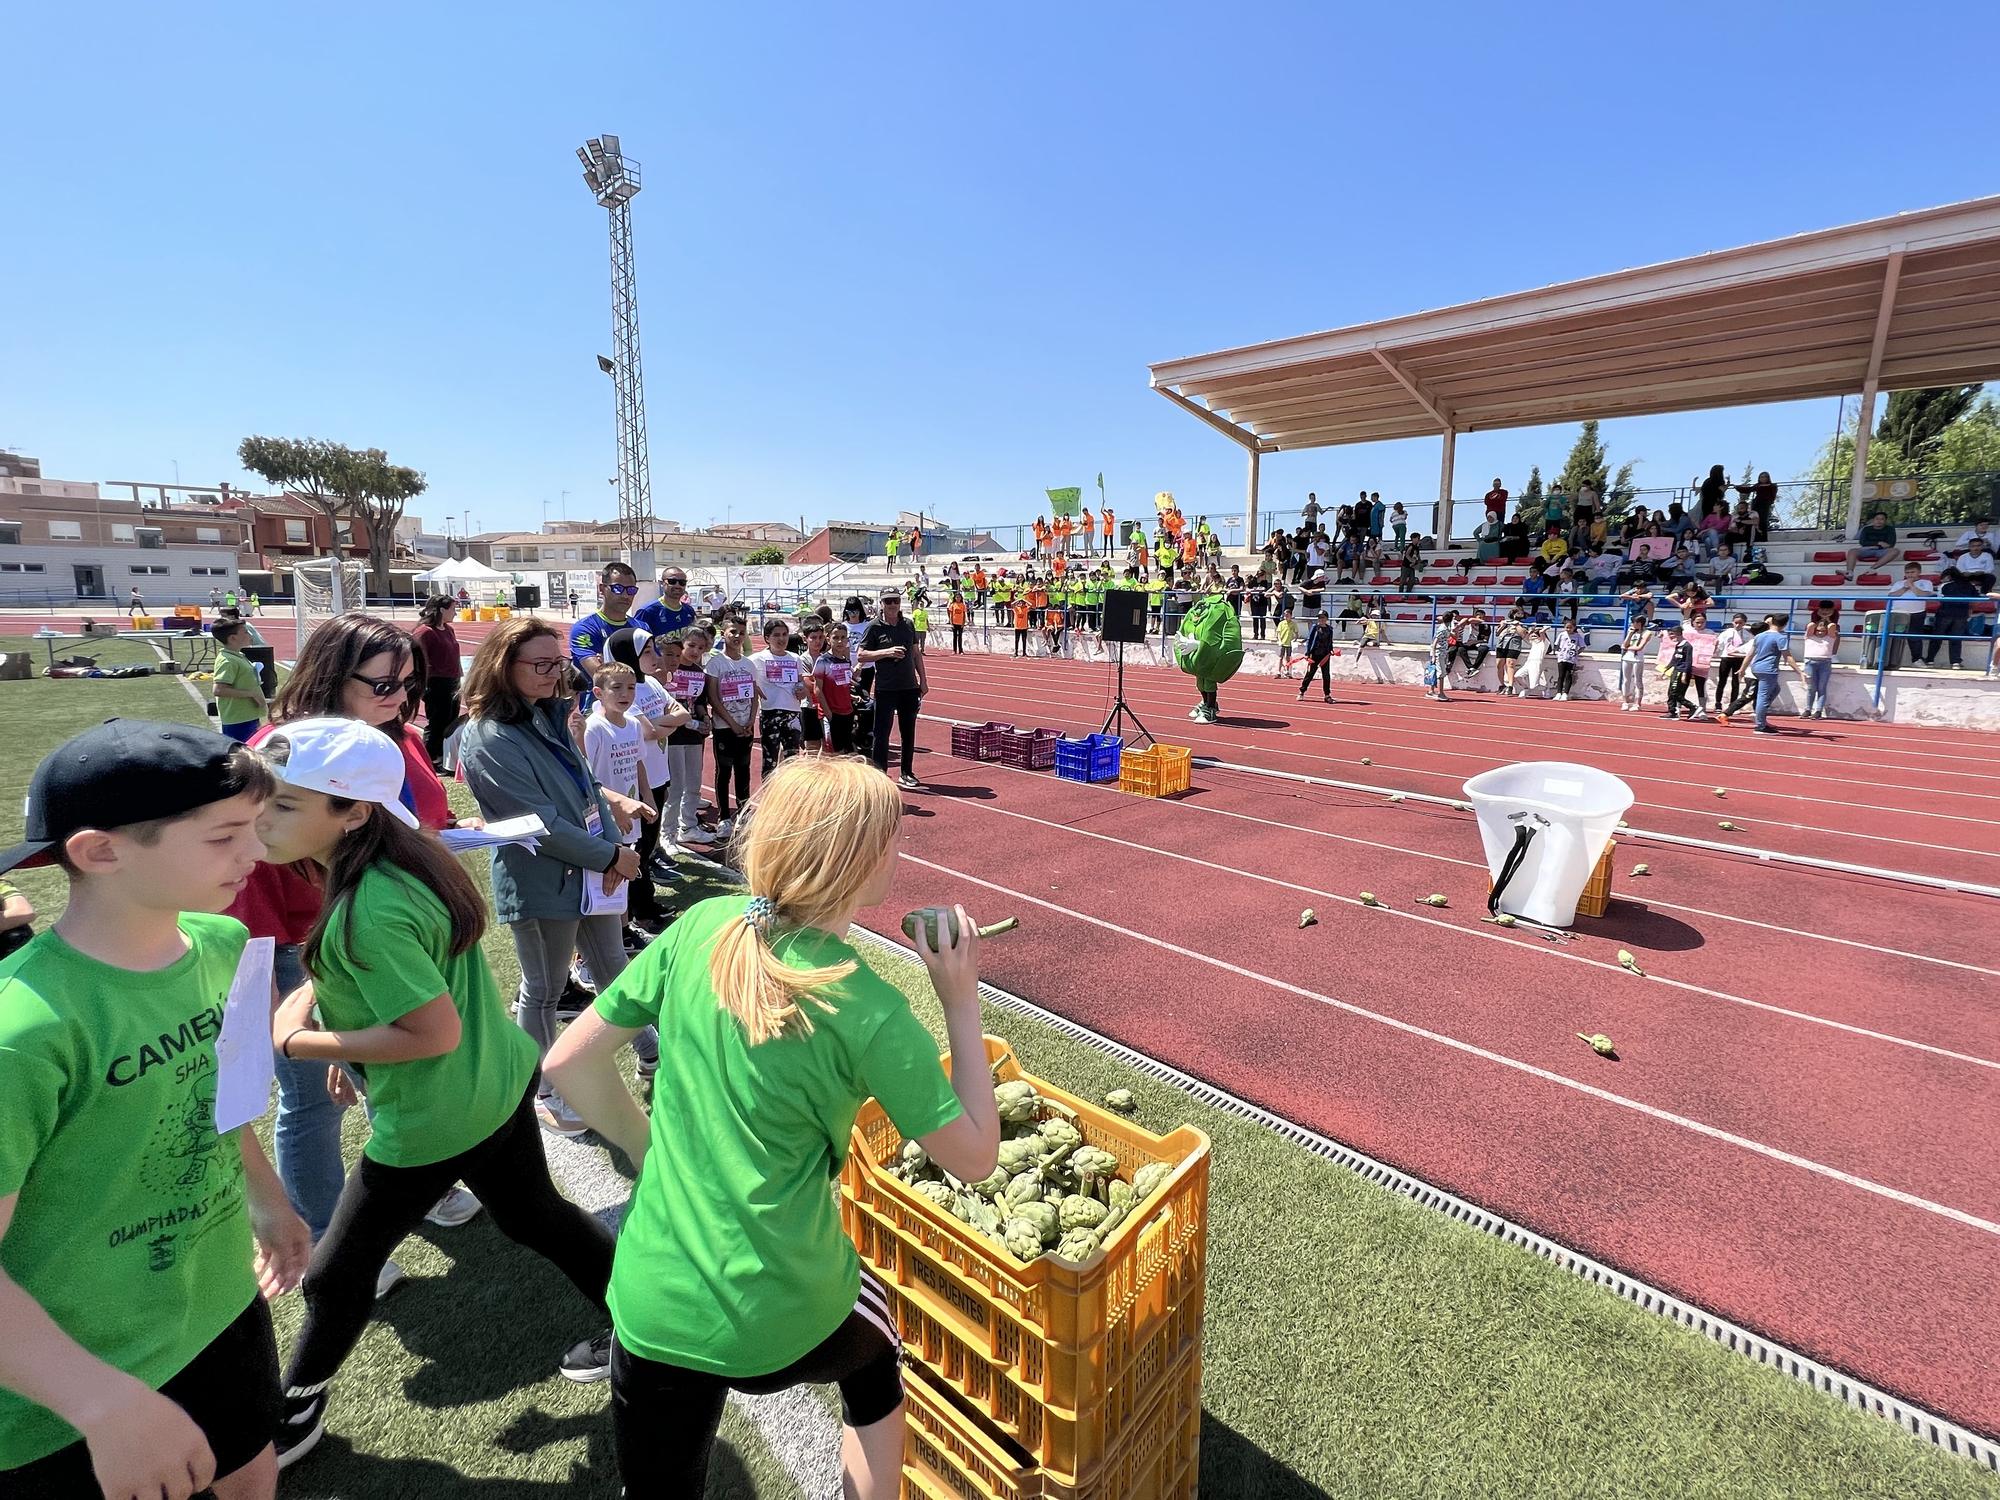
point(237, 671)
point(434, 1107)
point(731, 1259)
point(131, 1229)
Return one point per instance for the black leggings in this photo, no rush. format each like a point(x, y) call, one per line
point(381, 1204)
point(1729, 673)
point(732, 760)
point(664, 1417)
point(1565, 676)
point(782, 735)
point(896, 707)
point(644, 900)
point(840, 733)
point(1323, 665)
point(1020, 642)
point(958, 638)
point(440, 715)
point(1257, 624)
point(1473, 657)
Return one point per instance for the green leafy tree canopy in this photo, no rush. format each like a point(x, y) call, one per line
point(340, 482)
point(763, 556)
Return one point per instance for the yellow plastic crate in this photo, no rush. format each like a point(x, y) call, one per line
point(1156, 771)
point(1060, 1359)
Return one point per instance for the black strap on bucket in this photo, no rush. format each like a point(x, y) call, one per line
point(1524, 835)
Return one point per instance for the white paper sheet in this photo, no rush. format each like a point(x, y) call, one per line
point(525, 830)
point(595, 902)
point(244, 1067)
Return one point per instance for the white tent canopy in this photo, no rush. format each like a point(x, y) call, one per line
point(463, 570)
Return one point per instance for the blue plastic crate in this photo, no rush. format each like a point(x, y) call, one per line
point(1093, 758)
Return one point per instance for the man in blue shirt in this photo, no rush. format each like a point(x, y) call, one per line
point(671, 613)
point(1771, 650)
point(617, 588)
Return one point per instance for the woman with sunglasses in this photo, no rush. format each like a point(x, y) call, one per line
point(355, 666)
point(518, 757)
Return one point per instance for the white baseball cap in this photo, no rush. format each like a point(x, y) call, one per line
point(341, 758)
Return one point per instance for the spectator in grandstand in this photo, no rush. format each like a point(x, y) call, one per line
point(1822, 642)
point(1602, 571)
point(1975, 561)
point(1514, 538)
point(1311, 511)
point(1496, 502)
point(1907, 603)
point(1764, 500)
point(1981, 529)
point(1399, 522)
point(1720, 570)
point(1714, 491)
point(1954, 612)
point(1554, 548)
point(1743, 525)
point(1413, 563)
point(1555, 507)
point(1876, 544)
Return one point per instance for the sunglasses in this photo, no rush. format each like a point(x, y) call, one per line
point(386, 687)
point(674, 583)
point(624, 590)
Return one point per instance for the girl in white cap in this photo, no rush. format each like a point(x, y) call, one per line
point(401, 995)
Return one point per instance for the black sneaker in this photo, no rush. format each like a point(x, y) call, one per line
point(589, 1361)
point(646, 1077)
point(301, 1427)
point(574, 1000)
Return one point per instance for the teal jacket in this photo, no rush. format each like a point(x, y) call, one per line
point(532, 767)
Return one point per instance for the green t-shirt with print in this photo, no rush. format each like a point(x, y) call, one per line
point(130, 1229)
point(433, 1107)
point(235, 670)
point(731, 1258)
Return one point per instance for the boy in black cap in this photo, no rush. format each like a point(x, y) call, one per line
point(136, 1354)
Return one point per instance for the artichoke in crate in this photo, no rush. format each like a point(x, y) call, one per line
point(1148, 1179)
point(1077, 1245)
point(937, 1193)
point(913, 1159)
point(1043, 1216)
point(1022, 1239)
point(1112, 1220)
point(976, 1211)
point(992, 1185)
point(1058, 1134)
point(1017, 1102)
point(1020, 1153)
point(1079, 1212)
point(1094, 1161)
point(1120, 1195)
point(1024, 1188)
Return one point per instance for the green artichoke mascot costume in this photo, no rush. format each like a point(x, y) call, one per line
point(1209, 648)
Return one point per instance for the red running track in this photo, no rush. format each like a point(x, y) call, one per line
point(1802, 1132)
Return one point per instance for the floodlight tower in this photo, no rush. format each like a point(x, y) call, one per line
point(614, 179)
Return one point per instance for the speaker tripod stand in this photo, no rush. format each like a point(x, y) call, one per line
point(1121, 710)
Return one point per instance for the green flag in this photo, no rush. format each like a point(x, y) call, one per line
point(1100, 486)
point(1065, 502)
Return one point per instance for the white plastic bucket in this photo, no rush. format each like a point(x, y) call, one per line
point(1573, 811)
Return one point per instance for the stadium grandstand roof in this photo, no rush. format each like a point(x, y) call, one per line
point(1907, 301)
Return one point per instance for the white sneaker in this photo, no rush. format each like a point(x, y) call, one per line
point(459, 1206)
point(556, 1115)
point(696, 837)
point(389, 1278)
point(726, 827)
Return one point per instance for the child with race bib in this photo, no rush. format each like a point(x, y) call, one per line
point(777, 672)
point(400, 994)
point(686, 680)
point(732, 1272)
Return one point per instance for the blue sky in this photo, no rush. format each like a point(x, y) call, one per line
point(892, 254)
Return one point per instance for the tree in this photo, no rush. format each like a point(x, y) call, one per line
point(1823, 501)
point(1964, 462)
point(1587, 463)
point(1531, 492)
point(340, 483)
point(763, 556)
point(1916, 421)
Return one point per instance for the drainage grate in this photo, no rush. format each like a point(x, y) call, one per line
point(1732, 1336)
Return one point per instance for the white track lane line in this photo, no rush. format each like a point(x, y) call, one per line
point(1393, 713)
point(1539, 948)
point(1480, 864)
point(1881, 1190)
point(1627, 751)
point(1265, 747)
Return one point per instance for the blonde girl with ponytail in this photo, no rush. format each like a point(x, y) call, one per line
point(732, 1272)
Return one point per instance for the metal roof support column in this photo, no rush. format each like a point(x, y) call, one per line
point(1444, 486)
point(1250, 535)
point(1890, 276)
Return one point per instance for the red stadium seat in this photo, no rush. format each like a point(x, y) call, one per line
point(1829, 557)
point(1873, 580)
point(1829, 580)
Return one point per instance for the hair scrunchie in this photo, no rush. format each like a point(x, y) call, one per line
point(760, 914)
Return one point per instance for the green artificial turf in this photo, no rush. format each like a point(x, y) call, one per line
point(1357, 1345)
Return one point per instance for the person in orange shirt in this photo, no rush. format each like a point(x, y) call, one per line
point(1110, 531)
point(1190, 549)
point(1065, 529)
point(1038, 601)
point(1052, 633)
point(1041, 537)
point(1061, 564)
point(1176, 523)
point(1088, 528)
point(1020, 627)
point(955, 612)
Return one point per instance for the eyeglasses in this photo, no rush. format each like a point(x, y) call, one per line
point(546, 667)
point(385, 687)
point(623, 590)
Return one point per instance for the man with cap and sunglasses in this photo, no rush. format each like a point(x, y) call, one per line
point(890, 645)
point(136, 1353)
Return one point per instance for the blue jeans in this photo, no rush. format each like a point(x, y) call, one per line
point(308, 1129)
point(1767, 694)
point(1819, 674)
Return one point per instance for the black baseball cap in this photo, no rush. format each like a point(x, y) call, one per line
point(122, 772)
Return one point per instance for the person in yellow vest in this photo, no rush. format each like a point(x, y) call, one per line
point(1003, 598)
point(1156, 596)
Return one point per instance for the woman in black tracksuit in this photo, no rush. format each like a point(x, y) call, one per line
point(1319, 653)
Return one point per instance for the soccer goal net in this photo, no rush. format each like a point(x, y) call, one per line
point(325, 587)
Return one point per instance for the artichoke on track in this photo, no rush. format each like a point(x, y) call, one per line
point(1434, 899)
point(1726, 826)
point(1641, 870)
point(1308, 917)
point(1599, 1043)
